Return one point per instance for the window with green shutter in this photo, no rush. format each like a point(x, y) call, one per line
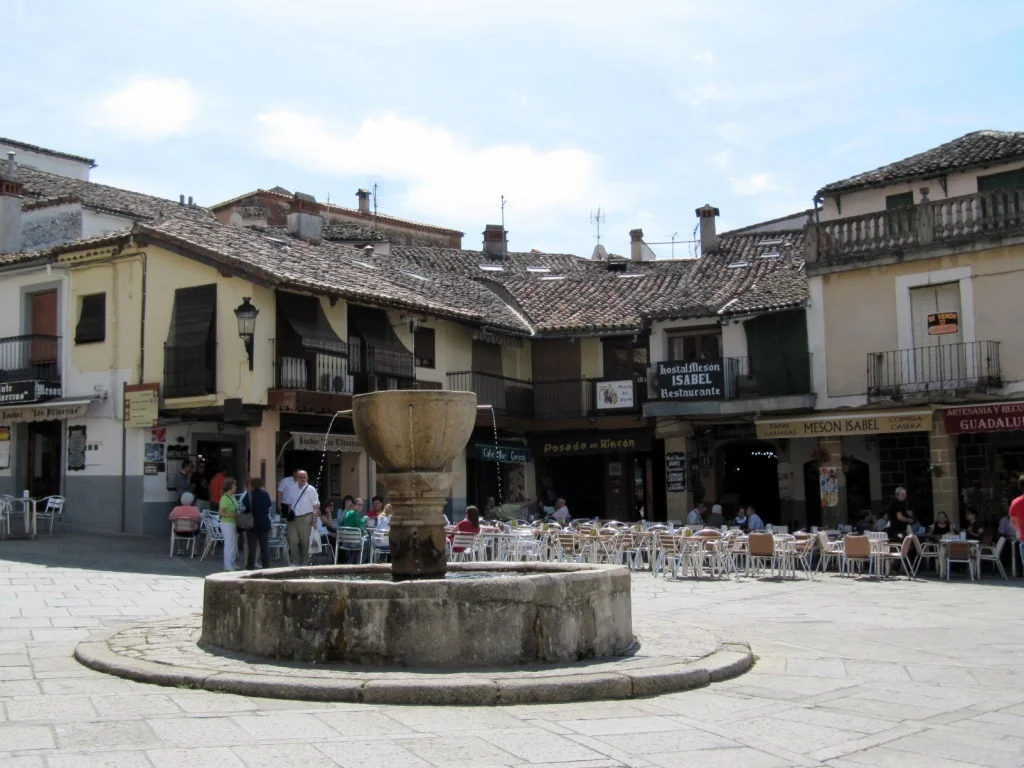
point(1004, 180)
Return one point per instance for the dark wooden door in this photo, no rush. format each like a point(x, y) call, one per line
point(42, 473)
point(557, 379)
point(618, 358)
point(44, 324)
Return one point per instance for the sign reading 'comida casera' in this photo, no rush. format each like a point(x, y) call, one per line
point(677, 380)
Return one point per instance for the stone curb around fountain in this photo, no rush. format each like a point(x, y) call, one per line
point(449, 689)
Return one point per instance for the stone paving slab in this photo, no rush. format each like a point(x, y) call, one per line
point(167, 652)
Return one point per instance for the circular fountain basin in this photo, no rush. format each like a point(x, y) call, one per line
point(519, 613)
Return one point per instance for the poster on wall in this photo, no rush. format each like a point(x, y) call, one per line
point(76, 448)
point(610, 395)
point(154, 459)
point(675, 472)
point(5, 447)
point(158, 435)
point(829, 487)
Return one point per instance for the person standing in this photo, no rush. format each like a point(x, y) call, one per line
point(259, 534)
point(183, 480)
point(1017, 514)
point(217, 487)
point(228, 511)
point(306, 504)
point(287, 491)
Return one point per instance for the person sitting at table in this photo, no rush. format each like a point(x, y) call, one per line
point(715, 518)
point(754, 521)
point(975, 530)
point(470, 524)
point(347, 502)
point(186, 510)
point(1006, 529)
point(740, 520)
point(327, 516)
point(354, 518)
point(941, 527)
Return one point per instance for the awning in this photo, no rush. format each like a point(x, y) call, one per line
point(846, 423)
point(52, 410)
point(385, 353)
point(306, 317)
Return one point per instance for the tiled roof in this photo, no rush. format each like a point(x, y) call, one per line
point(40, 185)
point(73, 246)
point(479, 263)
point(45, 151)
point(356, 232)
point(975, 149)
point(328, 207)
point(335, 269)
point(735, 279)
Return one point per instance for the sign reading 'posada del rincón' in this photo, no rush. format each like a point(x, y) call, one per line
point(695, 380)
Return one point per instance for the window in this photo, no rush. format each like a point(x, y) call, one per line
point(424, 347)
point(902, 200)
point(92, 319)
point(1003, 180)
point(695, 347)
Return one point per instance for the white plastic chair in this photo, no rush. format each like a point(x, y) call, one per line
point(214, 535)
point(54, 510)
point(958, 551)
point(466, 542)
point(6, 508)
point(380, 547)
point(349, 540)
point(186, 530)
point(993, 555)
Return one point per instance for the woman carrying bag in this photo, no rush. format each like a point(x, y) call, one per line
point(228, 511)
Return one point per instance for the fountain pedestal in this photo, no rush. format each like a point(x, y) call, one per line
point(417, 536)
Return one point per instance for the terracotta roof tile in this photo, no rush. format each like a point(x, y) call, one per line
point(44, 151)
point(975, 149)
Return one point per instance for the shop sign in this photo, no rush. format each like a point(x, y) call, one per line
point(675, 472)
point(614, 394)
point(678, 380)
point(311, 441)
point(18, 392)
point(504, 454)
point(610, 443)
point(141, 405)
point(55, 412)
point(999, 417)
point(854, 424)
point(733, 432)
point(941, 323)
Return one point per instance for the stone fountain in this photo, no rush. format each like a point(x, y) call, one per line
point(418, 611)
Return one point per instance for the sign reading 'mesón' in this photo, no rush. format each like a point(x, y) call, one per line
point(678, 380)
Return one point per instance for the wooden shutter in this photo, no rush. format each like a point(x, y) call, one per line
point(44, 323)
point(193, 320)
point(487, 358)
point(424, 347)
point(92, 319)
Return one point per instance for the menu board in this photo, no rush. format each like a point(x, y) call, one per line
point(675, 472)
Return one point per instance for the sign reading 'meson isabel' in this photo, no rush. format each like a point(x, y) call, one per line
point(863, 423)
point(694, 380)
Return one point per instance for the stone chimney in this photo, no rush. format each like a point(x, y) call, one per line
point(708, 236)
point(638, 249)
point(364, 200)
point(495, 240)
point(304, 219)
point(10, 208)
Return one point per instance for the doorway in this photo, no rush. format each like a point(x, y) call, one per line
point(750, 476)
point(42, 471)
point(215, 455)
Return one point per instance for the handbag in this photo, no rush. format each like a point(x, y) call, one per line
point(244, 520)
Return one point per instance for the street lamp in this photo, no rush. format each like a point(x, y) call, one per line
point(246, 314)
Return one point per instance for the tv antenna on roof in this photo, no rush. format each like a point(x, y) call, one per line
point(503, 201)
point(597, 219)
point(375, 198)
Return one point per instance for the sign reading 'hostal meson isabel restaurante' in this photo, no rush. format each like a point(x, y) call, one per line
point(693, 380)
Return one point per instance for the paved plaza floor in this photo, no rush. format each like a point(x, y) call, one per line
point(849, 673)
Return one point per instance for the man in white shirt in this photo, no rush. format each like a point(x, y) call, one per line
point(696, 517)
point(306, 508)
point(754, 521)
point(287, 491)
point(561, 513)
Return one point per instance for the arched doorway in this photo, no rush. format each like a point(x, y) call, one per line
point(750, 475)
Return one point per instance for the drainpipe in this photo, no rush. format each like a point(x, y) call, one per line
point(124, 427)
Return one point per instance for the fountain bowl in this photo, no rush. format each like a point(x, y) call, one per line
point(519, 613)
point(414, 430)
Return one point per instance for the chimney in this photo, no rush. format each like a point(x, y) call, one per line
point(636, 244)
point(10, 208)
point(495, 240)
point(304, 219)
point(364, 200)
point(181, 199)
point(190, 201)
point(708, 237)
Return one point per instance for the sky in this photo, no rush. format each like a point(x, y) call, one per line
point(645, 109)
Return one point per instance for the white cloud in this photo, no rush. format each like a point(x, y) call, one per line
point(444, 175)
point(705, 57)
point(754, 184)
point(722, 159)
point(148, 108)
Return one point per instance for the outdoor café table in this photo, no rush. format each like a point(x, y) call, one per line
point(974, 544)
point(28, 505)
